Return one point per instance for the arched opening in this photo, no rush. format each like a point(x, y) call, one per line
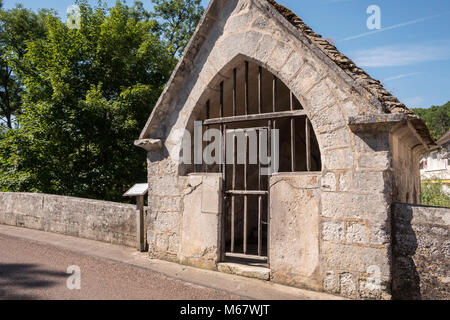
point(251, 101)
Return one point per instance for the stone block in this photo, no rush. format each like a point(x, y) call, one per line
point(245, 271)
point(369, 142)
point(372, 181)
point(349, 287)
point(336, 138)
point(333, 231)
point(346, 181)
point(329, 182)
point(328, 119)
point(294, 229)
point(279, 56)
point(376, 160)
point(321, 97)
point(357, 233)
point(305, 79)
point(292, 65)
point(331, 282)
point(212, 194)
point(338, 159)
point(165, 221)
point(354, 258)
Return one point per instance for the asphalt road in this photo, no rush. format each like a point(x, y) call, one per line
point(31, 270)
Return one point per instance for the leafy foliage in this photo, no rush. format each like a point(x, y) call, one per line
point(437, 119)
point(177, 21)
point(17, 27)
point(432, 195)
point(86, 95)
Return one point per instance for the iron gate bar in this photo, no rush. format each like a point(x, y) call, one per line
point(259, 198)
point(247, 129)
point(256, 117)
point(308, 144)
point(233, 198)
point(260, 97)
point(292, 135)
point(275, 94)
point(269, 152)
point(223, 130)
point(247, 192)
point(208, 107)
point(234, 92)
point(245, 196)
point(221, 100)
point(246, 88)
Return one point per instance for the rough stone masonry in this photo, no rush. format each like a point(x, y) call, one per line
point(351, 226)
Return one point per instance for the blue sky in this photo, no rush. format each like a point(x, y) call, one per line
point(410, 54)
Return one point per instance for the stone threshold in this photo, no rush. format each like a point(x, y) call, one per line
point(244, 270)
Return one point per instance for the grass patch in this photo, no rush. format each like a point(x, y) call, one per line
point(432, 195)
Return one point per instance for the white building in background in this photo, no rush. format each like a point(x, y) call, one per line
point(435, 166)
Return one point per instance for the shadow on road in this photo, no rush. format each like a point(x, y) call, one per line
point(16, 279)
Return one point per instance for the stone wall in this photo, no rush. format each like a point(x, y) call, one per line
point(294, 229)
point(91, 219)
point(184, 216)
point(421, 252)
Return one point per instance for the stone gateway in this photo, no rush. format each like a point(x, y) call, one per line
point(348, 150)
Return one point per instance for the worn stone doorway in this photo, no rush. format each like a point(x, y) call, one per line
point(254, 102)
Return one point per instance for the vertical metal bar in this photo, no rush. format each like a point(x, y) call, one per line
point(221, 99)
point(246, 88)
point(259, 226)
point(293, 144)
point(245, 196)
point(275, 93)
point(269, 152)
point(208, 110)
point(233, 199)
point(223, 129)
point(260, 197)
point(308, 144)
point(234, 92)
point(260, 84)
point(292, 134)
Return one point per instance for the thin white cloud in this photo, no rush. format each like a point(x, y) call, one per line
point(414, 102)
point(405, 75)
point(404, 24)
point(401, 55)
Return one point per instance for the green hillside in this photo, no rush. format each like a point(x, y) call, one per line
point(437, 119)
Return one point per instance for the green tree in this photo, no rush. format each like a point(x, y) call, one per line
point(87, 95)
point(437, 119)
point(17, 27)
point(177, 22)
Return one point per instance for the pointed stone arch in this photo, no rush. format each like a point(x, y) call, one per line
point(321, 88)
